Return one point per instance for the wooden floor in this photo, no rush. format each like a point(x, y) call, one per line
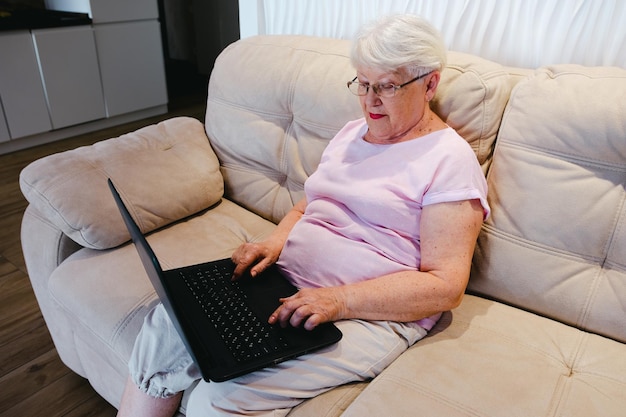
point(33, 380)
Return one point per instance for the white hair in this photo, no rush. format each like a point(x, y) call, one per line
point(399, 42)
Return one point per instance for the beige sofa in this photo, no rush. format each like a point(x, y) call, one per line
point(542, 329)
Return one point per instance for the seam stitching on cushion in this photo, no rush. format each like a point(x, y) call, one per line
point(256, 170)
point(585, 311)
point(255, 110)
point(559, 395)
point(225, 102)
point(531, 244)
point(342, 403)
point(427, 391)
point(32, 189)
point(559, 398)
point(510, 341)
point(284, 161)
point(593, 289)
point(617, 226)
point(121, 325)
point(84, 326)
point(571, 157)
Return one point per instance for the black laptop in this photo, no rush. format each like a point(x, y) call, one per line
point(223, 323)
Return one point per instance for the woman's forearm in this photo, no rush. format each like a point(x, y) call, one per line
point(403, 296)
point(279, 236)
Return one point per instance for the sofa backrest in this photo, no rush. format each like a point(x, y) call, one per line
point(274, 102)
point(556, 240)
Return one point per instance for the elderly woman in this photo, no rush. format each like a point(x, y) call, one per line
point(398, 193)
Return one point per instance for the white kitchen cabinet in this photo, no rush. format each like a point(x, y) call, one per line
point(60, 82)
point(21, 88)
point(69, 68)
point(131, 65)
point(104, 11)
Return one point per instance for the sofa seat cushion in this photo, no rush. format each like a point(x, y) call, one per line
point(164, 172)
point(107, 293)
point(491, 360)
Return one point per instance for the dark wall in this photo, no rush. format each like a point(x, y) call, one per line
point(216, 25)
point(194, 32)
point(24, 4)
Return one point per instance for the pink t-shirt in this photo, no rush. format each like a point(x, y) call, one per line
point(364, 205)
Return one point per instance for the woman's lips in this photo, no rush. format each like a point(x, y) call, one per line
point(376, 116)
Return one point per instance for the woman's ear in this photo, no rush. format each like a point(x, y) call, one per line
point(432, 82)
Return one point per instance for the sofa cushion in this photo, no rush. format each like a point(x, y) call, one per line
point(270, 127)
point(556, 240)
point(471, 98)
point(488, 359)
point(148, 166)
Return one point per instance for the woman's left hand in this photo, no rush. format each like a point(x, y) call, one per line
point(310, 307)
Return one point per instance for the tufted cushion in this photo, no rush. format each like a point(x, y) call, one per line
point(269, 140)
point(556, 240)
point(471, 98)
point(148, 167)
point(270, 127)
point(491, 360)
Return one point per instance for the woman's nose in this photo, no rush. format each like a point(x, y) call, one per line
point(371, 98)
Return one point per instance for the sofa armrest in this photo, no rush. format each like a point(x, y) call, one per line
point(164, 172)
point(44, 247)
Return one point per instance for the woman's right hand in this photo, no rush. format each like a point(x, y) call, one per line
point(257, 257)
point(254, 257)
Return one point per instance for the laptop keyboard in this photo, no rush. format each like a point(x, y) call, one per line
point(246, 336)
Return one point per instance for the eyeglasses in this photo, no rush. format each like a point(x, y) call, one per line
point(381, 90)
